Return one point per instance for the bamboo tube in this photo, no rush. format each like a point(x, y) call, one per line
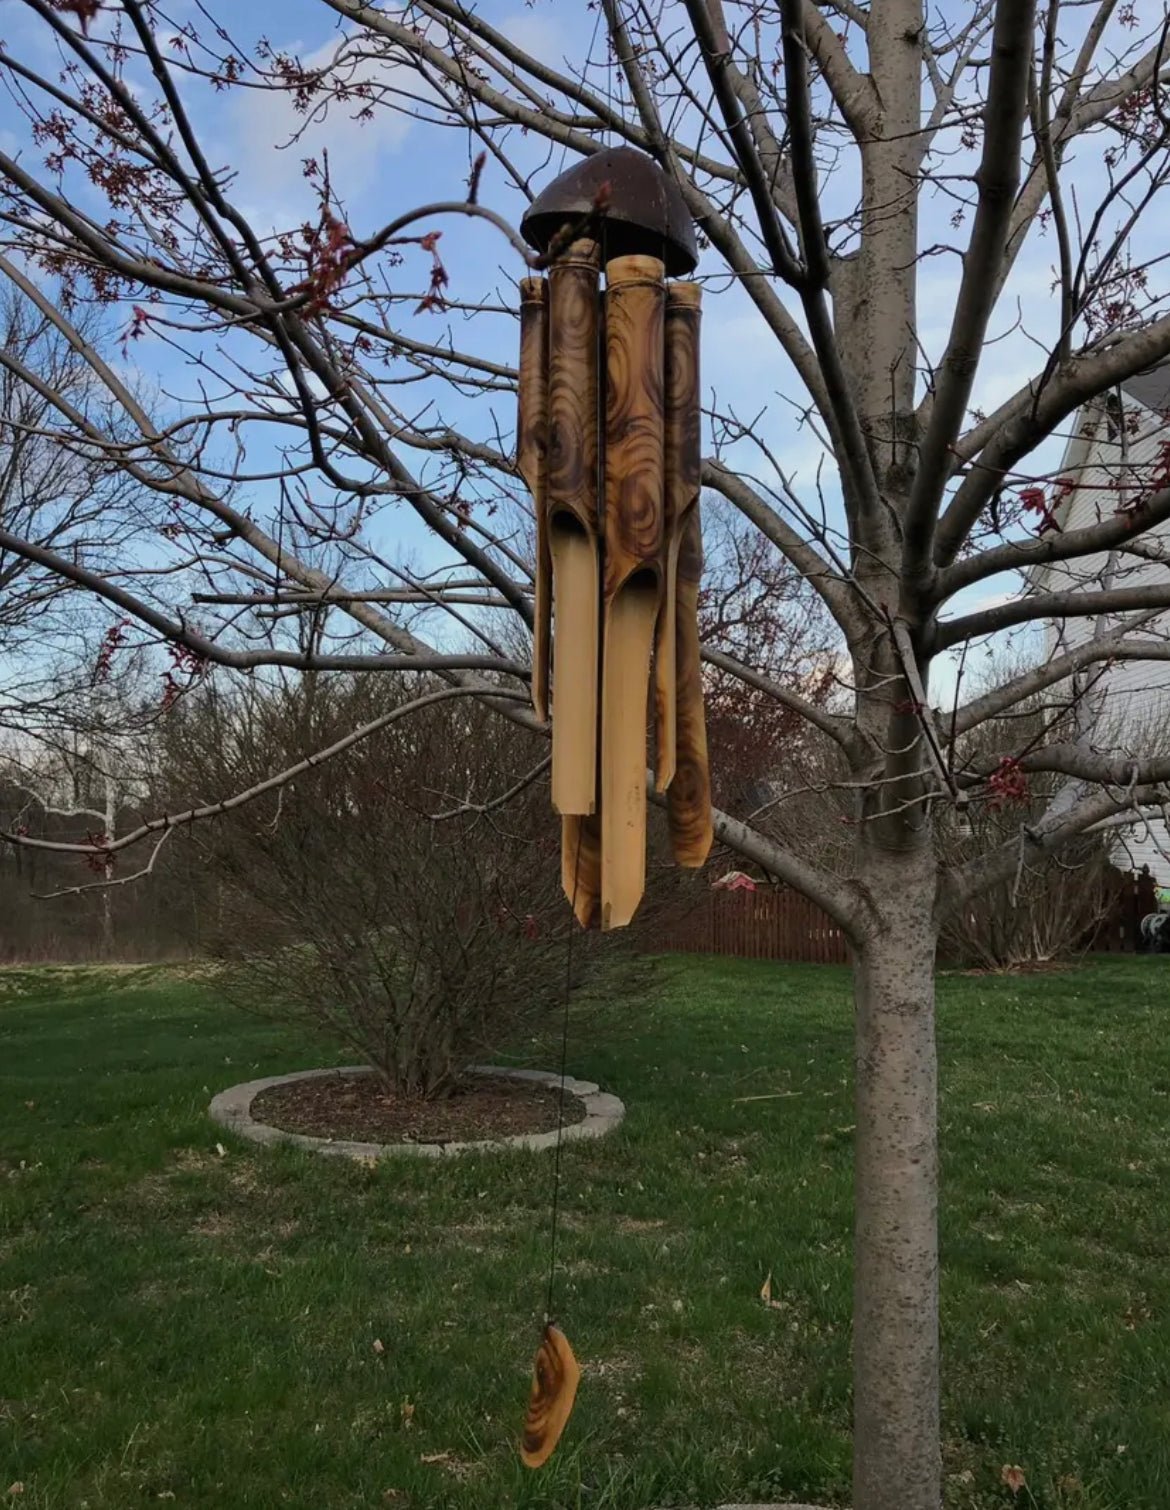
point(632, 589)
point(581, 865)
point(688, 801)
point(681, 463)
point(572, 524)
point(531, 448)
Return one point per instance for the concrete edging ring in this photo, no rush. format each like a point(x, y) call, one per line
point(232, 1109)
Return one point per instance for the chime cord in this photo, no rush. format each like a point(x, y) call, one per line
point(556, 1183)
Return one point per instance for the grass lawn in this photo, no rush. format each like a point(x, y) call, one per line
point(180, 1325)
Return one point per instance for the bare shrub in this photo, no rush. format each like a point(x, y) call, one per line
point(382, 898)
point(1048, 906)
point(1047, 911)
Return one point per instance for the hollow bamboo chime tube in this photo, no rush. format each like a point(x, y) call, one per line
point(683, 771)
point(608, 445)
point(531, 462)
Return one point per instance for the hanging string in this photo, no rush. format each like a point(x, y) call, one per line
point(556, 1184)
point(609, 56)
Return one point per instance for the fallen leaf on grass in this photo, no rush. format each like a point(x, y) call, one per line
point(17, 1488)
point(1013, 1476)
point(379, 1345)
point(766, 1295)
point(407, 1413)
point(221, 1150)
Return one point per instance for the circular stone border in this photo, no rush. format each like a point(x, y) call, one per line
point(232, 1109)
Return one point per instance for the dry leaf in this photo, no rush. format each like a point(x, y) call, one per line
point(221, 1150)
point(406, 1410)
point(1013, 1476)
point(379, 1345)
point(766, 1295)
point(17, 1488)
point(435, 1457)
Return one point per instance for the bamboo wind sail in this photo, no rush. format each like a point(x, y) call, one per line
point(609, 415)
point(555, 1376)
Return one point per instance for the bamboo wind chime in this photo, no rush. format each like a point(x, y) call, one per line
point(608, 445)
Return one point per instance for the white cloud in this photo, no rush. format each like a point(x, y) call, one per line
point(541, 35)
point(268, 140)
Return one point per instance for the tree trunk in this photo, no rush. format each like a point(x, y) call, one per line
point(895, 1317)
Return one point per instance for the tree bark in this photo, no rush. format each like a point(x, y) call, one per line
point(895, 1319)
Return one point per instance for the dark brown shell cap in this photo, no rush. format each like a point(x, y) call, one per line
point(645, 212)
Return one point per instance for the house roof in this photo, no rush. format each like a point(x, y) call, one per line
point(1151, 388)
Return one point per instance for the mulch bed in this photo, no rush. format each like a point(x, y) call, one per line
point(358, 1107)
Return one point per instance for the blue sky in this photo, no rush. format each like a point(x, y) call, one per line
point(394, 163)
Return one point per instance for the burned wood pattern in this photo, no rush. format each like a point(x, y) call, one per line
point(688, 800)
point(555, 1377)
point(574, 542)
point(634, 300)
point(531, 462)
point(682, 457)
point(633, 581)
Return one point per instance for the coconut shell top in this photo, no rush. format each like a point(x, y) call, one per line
point(645, 213)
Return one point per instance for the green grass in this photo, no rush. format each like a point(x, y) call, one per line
point(177, 1324)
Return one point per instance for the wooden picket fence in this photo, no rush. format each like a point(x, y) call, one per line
point(763, 924)
point(779, 924)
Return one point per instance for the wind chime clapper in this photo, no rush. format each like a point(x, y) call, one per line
point(608, 445)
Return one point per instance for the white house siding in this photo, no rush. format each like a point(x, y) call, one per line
point(1136, 694)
